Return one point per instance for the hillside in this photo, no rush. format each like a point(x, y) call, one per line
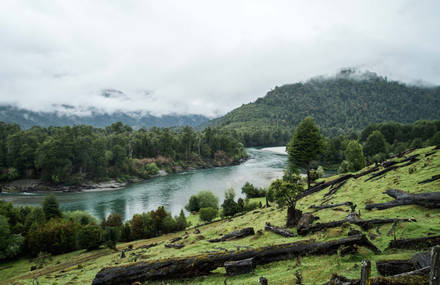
point(346, 102)
point(80, 267)
point(67, 117)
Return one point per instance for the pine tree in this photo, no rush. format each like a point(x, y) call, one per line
point(305, 146)
point(51, 207)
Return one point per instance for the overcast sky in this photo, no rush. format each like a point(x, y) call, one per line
point(204, 57)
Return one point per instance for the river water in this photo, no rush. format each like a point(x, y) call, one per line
point(172, 191)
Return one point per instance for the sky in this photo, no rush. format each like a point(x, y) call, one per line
point(202, 57)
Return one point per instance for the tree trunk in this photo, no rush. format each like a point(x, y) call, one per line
point(192, 266)
point(427, 200)
point(308, 178)
point(293, 216)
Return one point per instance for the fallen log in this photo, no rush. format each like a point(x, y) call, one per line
point(331, 205)
point(428, 200)
point(368, 171)
point(415, 243)
point(395, 267)
point(240, 266)
point(420, 278)
point(192, 266)
point(364, 224)
point(278, 230)
point(433, 178)
point(335, 188)
point(174, 245)
point(235, 235)
point(322, 186)
point(411, 159)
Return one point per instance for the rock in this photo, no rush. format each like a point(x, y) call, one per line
point(263, 281)
point(305, 222)
point(240, 266)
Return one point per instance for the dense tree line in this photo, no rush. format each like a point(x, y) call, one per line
point(72, 155)
point(345, 103)
point(31, 230)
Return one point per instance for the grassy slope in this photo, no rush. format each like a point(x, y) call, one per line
point(80, 267)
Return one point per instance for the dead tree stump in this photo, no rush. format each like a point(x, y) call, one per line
point(365, 272)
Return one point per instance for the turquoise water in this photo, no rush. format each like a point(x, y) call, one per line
point(172, 191)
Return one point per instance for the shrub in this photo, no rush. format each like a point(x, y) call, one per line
point(81, 217)
point(90, 236)
point(251, 191)
point(10, 244)
point(208, 214)
point(151, 169)
point(51, 207)
point(203, 199)
point(229, 206)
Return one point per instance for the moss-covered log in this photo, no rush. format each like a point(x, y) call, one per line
point(415, 243)
point(331, 205)
point(235, 235)
point(410, 160)
point(193, 266)
point(278, 230)
point(364, 224)
point(433, 178)
point(428, 200)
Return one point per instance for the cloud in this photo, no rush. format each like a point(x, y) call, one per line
point(202, 56)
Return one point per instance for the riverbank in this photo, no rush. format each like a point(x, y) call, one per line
point(37, 185)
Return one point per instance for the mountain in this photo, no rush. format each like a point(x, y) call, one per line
point(346, 102)
point(67, 117)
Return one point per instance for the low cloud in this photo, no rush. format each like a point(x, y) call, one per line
point(199, 56)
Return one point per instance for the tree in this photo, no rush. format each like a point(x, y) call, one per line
point(203, 199)
point(305, 146)
point(181, 222)
point(137, 227)
point(251, 191)
point(286, 192)
point(208, 214)
point(375, 144)
point(90, 237)
point(355, 156)
point(10, 244)
point(51, 207)
point(229, 206)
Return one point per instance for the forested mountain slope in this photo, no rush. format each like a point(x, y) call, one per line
point(27, 118)
point(346, 102)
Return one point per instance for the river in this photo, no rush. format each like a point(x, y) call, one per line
point(172, 191)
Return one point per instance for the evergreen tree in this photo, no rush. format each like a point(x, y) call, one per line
point(51, 207)
point(305, 146)
point(355, 156)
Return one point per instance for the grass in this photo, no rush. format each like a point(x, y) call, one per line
point(80, 267)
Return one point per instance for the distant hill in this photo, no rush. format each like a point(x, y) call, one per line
point(344, 103)
point(66, 117)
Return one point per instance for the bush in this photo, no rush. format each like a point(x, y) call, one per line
point(81, 217)
point(151, 169)
point(10, 244)
point(229, 206)
point(90, 237)
point(208, 214)
point(56, 236)
point(51, 207)
point(203, 199)
point(251, 191)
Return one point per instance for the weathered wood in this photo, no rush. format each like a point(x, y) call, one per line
point(415, 243)
point(240, 266)
point(366, 172)
point(174, 245)
point(192, 266)
point(278, 230)
point(331, 205)
point(173, 240)
point(147, 246)
point(393, 267)
point(324, 185)
point(235, 235)
point(427, 200)
point(410, 160)
point(364, 224)
point(434, 275)
point(335, 188)
point(433, 178)
point(365, 272)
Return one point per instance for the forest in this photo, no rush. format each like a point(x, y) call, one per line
point(73, 155)
point(342, 104)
